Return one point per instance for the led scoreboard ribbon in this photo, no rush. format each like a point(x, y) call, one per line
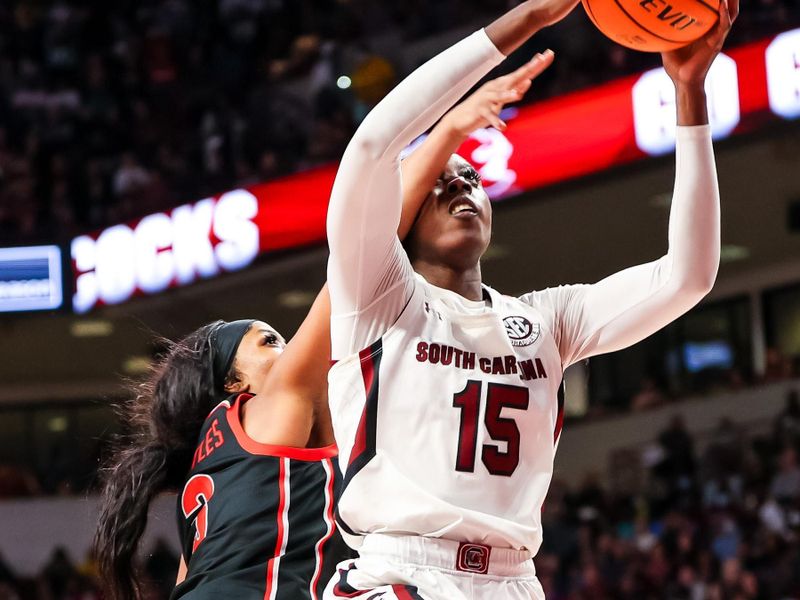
point(545, 143)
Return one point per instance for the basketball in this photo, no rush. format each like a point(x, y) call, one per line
point(653, 25)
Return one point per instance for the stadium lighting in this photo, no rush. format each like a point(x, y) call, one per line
point(731, 253)
point(344, 82)
point(91, 328)
point(297, 299)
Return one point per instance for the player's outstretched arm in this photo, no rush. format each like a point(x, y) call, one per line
point(514, 28)
point(364, 210)
point(633, 304)
point(364, 213)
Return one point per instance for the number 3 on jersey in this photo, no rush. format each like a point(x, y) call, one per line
point(500, 429)
point(194, 502)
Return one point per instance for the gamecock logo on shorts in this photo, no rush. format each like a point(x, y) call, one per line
point(521, 332)
point(473, 558)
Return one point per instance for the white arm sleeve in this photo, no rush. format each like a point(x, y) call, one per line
point(369, 275)
point(630, 305)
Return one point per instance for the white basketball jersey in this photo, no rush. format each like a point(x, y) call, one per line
point(447, 425)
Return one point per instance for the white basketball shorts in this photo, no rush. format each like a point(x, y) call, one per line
point(418, 568)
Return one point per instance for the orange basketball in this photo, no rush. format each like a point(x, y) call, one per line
point(653, 25)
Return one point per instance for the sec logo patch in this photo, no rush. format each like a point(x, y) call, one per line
point(521, 332)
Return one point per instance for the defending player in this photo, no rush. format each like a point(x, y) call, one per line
point(446, 398)
point(235, 418)
point(238, 420)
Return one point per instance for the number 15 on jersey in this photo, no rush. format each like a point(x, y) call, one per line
point(500, 429)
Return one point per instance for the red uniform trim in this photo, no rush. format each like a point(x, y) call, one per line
point(368, 374)
point(273, 564)
point(559, 424)
point(402, 592)
point(368, 370)
point(560, 416)
point(254, 447)
point(344, 590)
point(329, 521)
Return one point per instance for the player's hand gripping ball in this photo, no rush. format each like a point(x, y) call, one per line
point(653, 25)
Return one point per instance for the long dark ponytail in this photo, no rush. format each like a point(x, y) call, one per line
point(164, 419)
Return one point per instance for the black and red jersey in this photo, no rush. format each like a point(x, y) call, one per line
point(256, 521)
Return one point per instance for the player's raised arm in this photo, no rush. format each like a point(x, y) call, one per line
point(633, 304)
point(364, 211)
point(363, 217)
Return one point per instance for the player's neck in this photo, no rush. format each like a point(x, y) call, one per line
point(466, 282)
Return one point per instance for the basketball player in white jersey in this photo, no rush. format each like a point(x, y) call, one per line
point(446, 395)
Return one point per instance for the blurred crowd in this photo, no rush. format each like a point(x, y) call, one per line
point(682, 520)
point(61, 579)
point(65, 472)
point(110, 110)
point(778, 367)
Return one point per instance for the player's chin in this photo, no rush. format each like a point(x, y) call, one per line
point(467, 244)
point(474, 228)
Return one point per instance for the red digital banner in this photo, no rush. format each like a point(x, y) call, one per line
point(545, 143)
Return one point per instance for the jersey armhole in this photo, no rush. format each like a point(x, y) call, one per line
point(251, 446)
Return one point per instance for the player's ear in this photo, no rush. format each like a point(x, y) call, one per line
point(236, 383)
point(236, 388)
